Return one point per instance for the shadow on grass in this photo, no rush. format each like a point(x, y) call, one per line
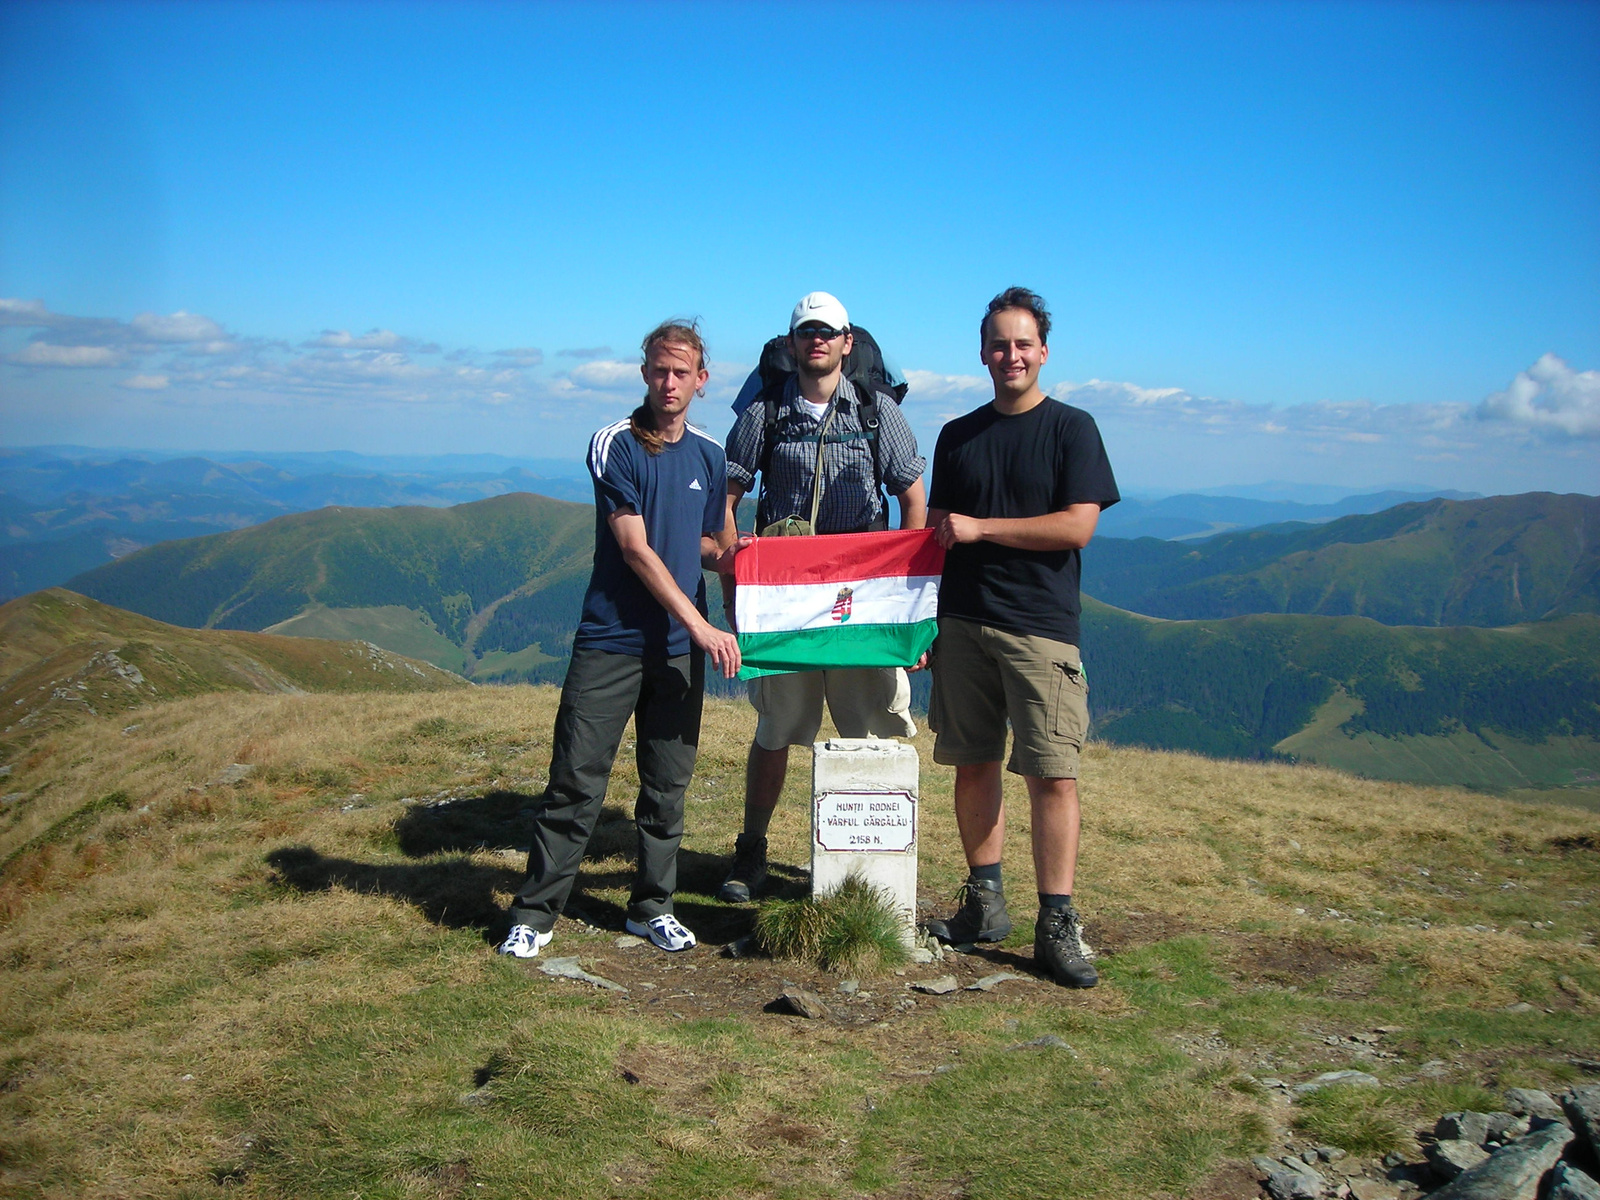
point(457, 893)
point(494, 821)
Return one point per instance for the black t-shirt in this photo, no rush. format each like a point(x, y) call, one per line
point(990, 465)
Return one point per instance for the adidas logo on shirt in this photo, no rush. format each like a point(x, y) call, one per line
point(694, 486)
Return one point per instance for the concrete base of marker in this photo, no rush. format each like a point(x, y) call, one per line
point(864, 803)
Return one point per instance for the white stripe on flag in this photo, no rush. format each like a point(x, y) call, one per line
point(887, 600)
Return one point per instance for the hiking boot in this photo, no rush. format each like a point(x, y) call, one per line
point(981, 917)
point(749, 870)
point(663, 931)
point(524, 941)
point(1059, 948)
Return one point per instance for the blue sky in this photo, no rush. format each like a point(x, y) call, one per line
point(1325, 243)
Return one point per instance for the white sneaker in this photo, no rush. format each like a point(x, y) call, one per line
point(664, 931)
point(524, 941)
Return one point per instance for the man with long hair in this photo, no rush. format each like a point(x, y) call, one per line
point(659, 493)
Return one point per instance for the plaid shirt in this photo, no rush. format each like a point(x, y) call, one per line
point(851, 500)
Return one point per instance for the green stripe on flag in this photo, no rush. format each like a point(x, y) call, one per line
point(841, 647)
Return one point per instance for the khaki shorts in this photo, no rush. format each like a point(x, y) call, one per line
point(983, 675)
point(864, 702)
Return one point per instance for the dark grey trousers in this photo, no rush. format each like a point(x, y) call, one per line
point(601, 692)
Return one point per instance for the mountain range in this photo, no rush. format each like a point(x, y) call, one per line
point(65, 510)
point(1194, 515)
point(1440, 641)
point(1495, 561)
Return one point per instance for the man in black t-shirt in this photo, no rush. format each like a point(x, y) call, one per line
point(1018, 486)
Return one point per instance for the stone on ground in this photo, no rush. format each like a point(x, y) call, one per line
point(1513, 1172)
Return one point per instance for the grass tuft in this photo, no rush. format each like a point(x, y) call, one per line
point(1359, 1120)
point(854, 928)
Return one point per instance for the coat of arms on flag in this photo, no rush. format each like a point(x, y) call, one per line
point(837, 600)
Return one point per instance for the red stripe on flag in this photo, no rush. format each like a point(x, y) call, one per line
point(839, 557)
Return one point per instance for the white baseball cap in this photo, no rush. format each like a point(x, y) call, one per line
point(819, 308)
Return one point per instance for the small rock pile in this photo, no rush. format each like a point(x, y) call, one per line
point(1541, 1148)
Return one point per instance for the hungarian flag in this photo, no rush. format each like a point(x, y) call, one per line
point(836, 600)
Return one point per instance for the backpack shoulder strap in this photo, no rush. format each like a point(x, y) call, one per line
point(868, 398)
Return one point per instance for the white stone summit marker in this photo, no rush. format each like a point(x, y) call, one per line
point(864, 819)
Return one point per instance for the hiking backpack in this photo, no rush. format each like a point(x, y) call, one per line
point(874, 379)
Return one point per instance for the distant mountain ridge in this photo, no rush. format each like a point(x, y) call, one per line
point(1195, 515)
point(61, 515)
point(505, 574)
point(492, 590)
point(1496, 561)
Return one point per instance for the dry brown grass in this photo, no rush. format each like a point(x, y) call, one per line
point(246, 988)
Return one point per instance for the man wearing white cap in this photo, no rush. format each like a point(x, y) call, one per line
point(819, 407)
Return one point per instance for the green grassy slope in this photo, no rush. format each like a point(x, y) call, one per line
point(64, 657)
point(1485, 707)
point(1490, 562)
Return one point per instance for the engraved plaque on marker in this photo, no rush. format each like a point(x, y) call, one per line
point(870, 822)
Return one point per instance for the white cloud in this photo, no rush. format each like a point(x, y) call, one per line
point(930, 385)
point(373, 339)
point(45, 354)
point(1549, 397)
point(146, 383)
point(607, 375)
point(179, 327)
point(579, 352)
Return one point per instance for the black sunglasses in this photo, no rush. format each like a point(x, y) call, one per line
point(806, 332)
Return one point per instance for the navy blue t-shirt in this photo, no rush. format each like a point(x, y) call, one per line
point(681, 493)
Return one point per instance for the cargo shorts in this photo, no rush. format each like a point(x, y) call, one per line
point(984, 676)
point(863, 702)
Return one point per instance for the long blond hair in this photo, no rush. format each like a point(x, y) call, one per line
point(677, 331)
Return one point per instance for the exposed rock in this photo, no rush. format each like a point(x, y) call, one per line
point(1583, 1109)
point(1463, 1127)
point(1504, 1127)
point(989, 982)
point(1530, 1102)
point(1569, 1183)
point(627, 942)
point(1296, 1183)
point(1512, 1172)
point(235, 773)
point(1048, 1042)
point(1330, 1154)
point(936, 987)
point(740, 948)
point(920, 954)
point(800, 1003)
point(1333, 1078)
point(1451, 1156)
point(568, 968)
point(1372, 1189)
point(849, 987)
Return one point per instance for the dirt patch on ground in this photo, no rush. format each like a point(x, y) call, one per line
point(1292, 961)
point(1118, 934)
